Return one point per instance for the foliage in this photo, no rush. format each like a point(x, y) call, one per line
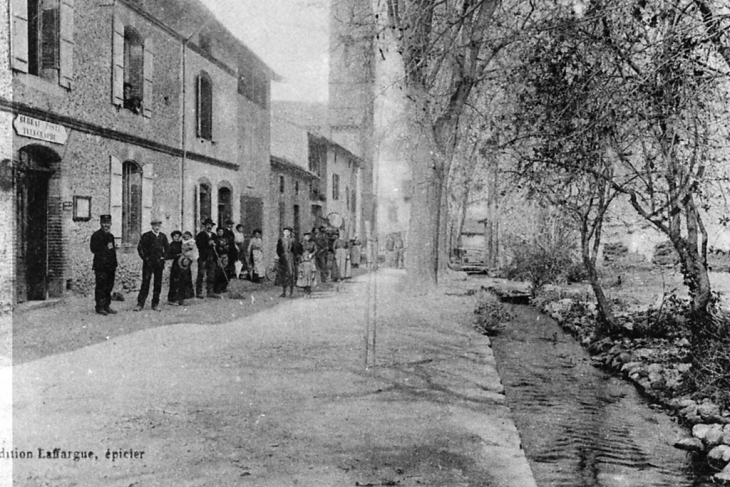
point(710, 375)
point(491, 314)
point(546, 258)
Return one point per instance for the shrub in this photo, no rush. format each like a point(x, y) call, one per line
point(541, 261)
point(491, 314)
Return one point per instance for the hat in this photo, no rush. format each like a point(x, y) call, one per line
point(229, 222)
point(105, 218)
point(208, 221)
point(184, 262)
point(289, 228)
point(155, 220)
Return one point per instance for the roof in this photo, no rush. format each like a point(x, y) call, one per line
point(284, 165)
point(186, 18)
point(310, 115)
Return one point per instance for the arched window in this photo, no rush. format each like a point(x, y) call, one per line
point(133, 70)
point(131, 202)
point(225, 206)
point(204, 91)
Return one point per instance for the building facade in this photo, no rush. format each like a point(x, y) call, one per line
point(135, 108)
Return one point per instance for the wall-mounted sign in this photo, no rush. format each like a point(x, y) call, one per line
point(38, 129)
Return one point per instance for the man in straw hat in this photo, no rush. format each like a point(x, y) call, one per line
point(152, 248)
point(105, 264)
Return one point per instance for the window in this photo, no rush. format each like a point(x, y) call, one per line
point(205, 202)
point(43, 39)
point(281, 184)
point(335, 186)
point(296, 187)
point(133, 71)
point(131, 202)
point(205, 106)
point(225, 208)
point(347, 198)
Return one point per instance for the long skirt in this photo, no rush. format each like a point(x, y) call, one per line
point(342, 267)
point(258, 267)
point(285, 275)
point(307, 274)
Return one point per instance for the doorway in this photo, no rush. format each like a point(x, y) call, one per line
point(34, 170)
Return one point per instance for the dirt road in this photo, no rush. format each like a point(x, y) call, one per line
point(277, 398)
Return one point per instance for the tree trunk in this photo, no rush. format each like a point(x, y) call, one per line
point(426, 201)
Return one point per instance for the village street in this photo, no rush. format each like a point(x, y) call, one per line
point(280, 397)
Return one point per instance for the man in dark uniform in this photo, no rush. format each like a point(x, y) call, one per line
point(205, 241)
point(105, 264)
point(230, 236)
point(152, 248)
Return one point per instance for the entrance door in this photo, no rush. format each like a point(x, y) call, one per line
point(32, 236)
point(33, 174)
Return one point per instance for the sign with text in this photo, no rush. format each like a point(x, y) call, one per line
point(38, 129)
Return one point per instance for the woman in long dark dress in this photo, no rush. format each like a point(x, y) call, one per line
point(287, 266)
point(174, 252)
point(220, 284)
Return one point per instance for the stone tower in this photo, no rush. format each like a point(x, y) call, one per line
point(351, 94)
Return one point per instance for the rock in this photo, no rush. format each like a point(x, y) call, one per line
point(657, 383)
point(655, 368)
point(723, 476)
point(708, 409)
point(673, 384)
point(624, 357)
point(629, 366)
point(699, 431)
point(683, 343)
point(719, 452)
point(714, 436)
point(690, 444)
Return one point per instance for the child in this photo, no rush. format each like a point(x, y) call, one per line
point(189, 255)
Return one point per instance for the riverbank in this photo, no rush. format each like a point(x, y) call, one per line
point(651, 350)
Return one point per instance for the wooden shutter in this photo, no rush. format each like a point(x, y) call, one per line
point(116, 185)
point(118, 62)
point(148, 188)
point(148, 76)
point(66, 46)
point(198, 105)
point(20, 35)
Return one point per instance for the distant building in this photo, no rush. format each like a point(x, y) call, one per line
point(136, 108)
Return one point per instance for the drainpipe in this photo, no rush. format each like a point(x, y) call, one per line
point(183, 128)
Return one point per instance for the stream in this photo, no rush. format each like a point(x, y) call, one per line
point(579, 426)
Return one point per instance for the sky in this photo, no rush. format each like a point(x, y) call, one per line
point(291, 36)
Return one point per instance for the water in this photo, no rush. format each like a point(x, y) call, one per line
point(580, 427)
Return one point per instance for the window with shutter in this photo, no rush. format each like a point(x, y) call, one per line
point(37, 36)
point(133, 70)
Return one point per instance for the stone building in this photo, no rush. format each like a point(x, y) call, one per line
point(291, 179)
point(136, 108)
point(318, 182)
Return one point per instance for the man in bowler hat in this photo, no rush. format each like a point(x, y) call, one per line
point(152, 248)
point(105, 264)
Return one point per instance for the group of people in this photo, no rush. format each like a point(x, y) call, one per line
point(217, 254)
point(221, 256)
point(317, 254)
